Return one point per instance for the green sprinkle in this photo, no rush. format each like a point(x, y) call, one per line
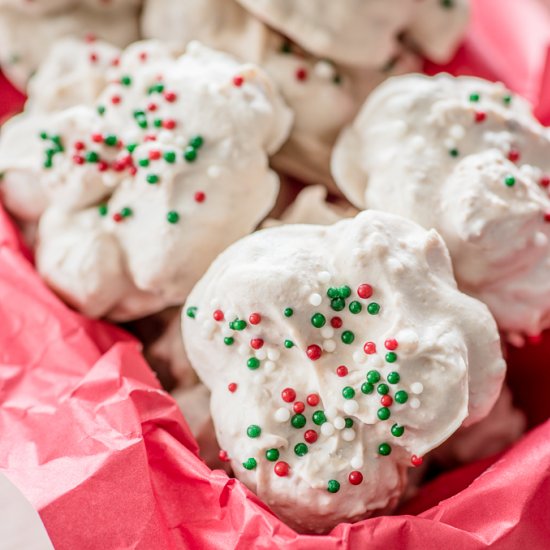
point(101, 110)
point(348, 392)
point(289, 344)
point(373, 308)
point(474, 98)
point(126, 81)
point(333, 486)
point(401, 397)
point(447, 4)
point(288, 312)
point(510, 181)
point(507, 99)
point(250, 464)
point(48, 163)
point(170, 157)
point(196, 142)
point(393, 377)
point(349, 423)
point(391, 357)
point(190, 154)
point(367, 388)
point(43, 135)
point(143, 162)
point(173, 217)
point(286, 47)
point(347, 337)
point(110, 140)
point(383, 413)
point(102, 209)
point(272, 455)
point(253, 431)
point(300, 449)
point(126, 212)
point(333, 292)
point(239, 324)
point(454, 152)
point(298, 421)
point(91, 156)
point(319, 418)
point(318, 320)
point(383, 389)
point(397, 430)
point(355, 307)
point(253, 363)
point(384, 449)
point(344, 291)
point(157, 123)
point(337, 304)
point(131, 147)
point(228, 341)
point(152, 179)
point(191, 312)
point(373, 376)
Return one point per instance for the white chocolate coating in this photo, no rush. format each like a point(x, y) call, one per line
point(444, 340)
point(164, 216)
point(365, 32)
point(44, 7)
point(25, 39)
point(323, 96)
point(74, 72)
point(437, 150)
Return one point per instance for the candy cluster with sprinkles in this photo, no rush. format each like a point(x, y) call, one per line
point(165, 170)
point(470, 160)
point(331, 373)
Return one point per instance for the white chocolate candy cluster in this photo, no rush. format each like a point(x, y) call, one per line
point(29, 29)
point(464, 156)
point(323, 95)
point(365, 32)
point(336, 357)
point(143, 191)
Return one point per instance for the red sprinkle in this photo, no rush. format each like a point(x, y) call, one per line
point(93, 57)
point(513, 155)
point(90, 37)
point(544, 181)
point(479, 117)
point(218, 315)
point(342, 371)
point(232, 387)
point(170, 96)
point(288, 395)
point(102, 166)
point(97, 138)
point(116, 99)
point(169, 124)
point(152, 107)
point(299, 407)
point(143, 56)
point(311, 436)
point(255, 318)
point(547, 217)
point(115, 62)
point(256, 343)
point(238, 81)
point(336, 322)
point(132, 170)
point(416, 461)
point(77, 159)
point(386, 401)
point(369, 348)
point(79, 145)
point(301, 74)
point(314, 352)
point(281, 469)
point(223, 456)
point(391, 344)
point(154, 154)
point(200, 196)
point(117, 217)
point(312, 399)
point(355, 478)
point(364, 291)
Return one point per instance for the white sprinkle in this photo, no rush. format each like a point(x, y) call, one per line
point(417, 387)
point(329, 345)
point(282, 414)
point(274, 354)
point(226, 332)
point(327, 429)
point(356, 462)
point(348, 434)
point(415, 403)
point(351, 406)
point(164, 136)
point(315, 299)
point(359, 356)
point(243, 349)
point(327, 332)
point(181, 141)
point(540, 239)
point(209, 325)
point(261, 354)
point(339, 423)
point(331, 412)
point(449, 143)
point(324, 276)
point(230, 315)
point(213, 171)
point(323, 69)
point(269, 366)
point(457, 131)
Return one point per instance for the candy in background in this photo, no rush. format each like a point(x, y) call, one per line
point(106, 458)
